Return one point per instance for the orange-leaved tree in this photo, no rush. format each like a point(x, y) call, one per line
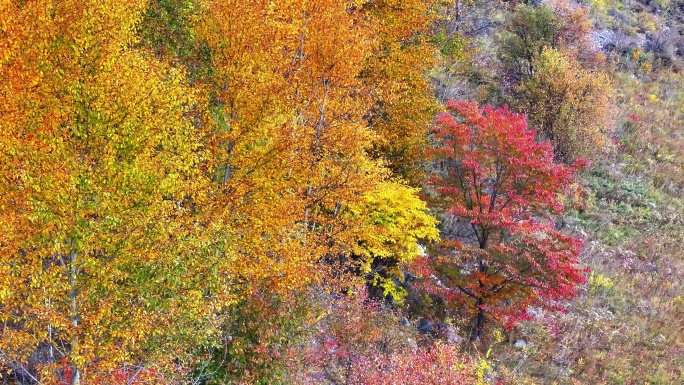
point(288, 109)
point(498, 190)
point(400, 96)
point(291, 100)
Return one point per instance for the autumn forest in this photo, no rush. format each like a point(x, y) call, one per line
point(204, 192)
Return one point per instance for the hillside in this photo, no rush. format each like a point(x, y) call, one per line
point(342, 192)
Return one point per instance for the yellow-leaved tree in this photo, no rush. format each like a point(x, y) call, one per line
point(397, 221)
point(100, 260)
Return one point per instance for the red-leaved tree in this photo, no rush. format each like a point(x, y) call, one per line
point(499, 191)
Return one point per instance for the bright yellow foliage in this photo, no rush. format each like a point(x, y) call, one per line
point(397, 220)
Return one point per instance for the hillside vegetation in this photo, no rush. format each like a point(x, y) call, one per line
point(341, 192)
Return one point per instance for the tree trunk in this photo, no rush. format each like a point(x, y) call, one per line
point(478, 322)
point(480, 319)
point(75, 371)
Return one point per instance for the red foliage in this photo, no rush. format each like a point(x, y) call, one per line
point(500, 187)
point(439, 365)
point(358, 342)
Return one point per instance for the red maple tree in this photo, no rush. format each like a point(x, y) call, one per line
point(499, 191)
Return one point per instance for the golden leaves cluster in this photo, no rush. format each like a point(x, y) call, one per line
point(570, 105)
point(140, 196)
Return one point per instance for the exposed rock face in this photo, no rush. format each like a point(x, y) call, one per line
point(447, 333)
point(608, 40)
point(440, 330)
point(424, 326)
